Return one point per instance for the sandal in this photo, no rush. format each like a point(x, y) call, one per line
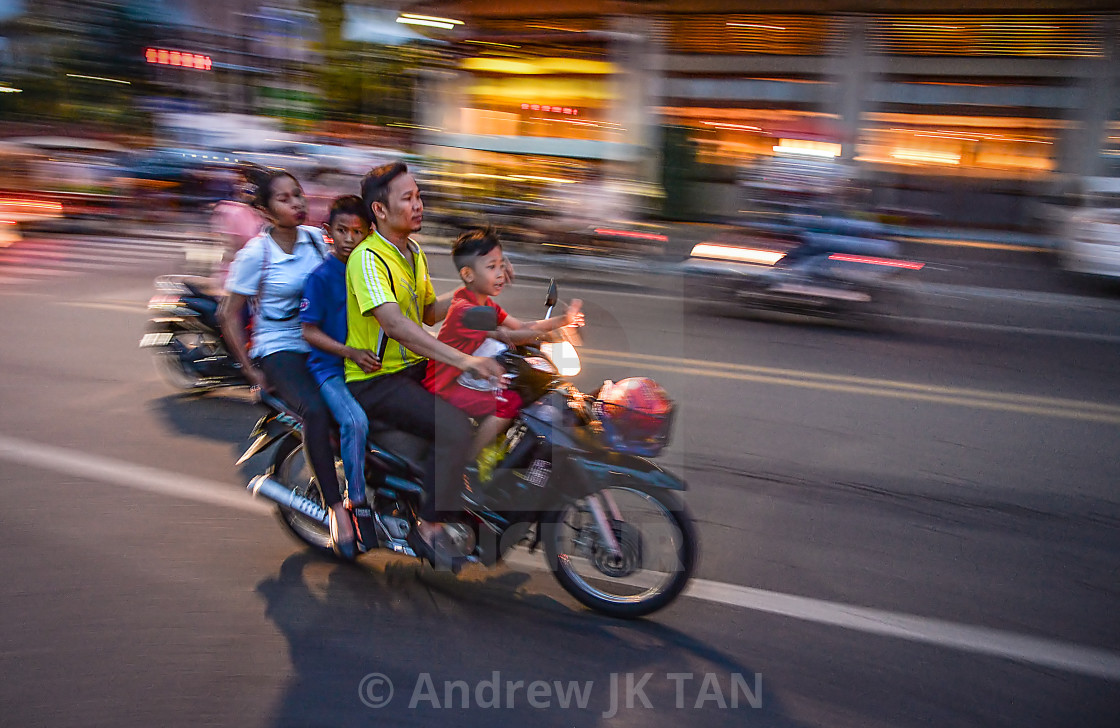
point(364, 529)
point(343, 549)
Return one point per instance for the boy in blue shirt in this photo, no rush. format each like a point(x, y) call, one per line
point(323, 319)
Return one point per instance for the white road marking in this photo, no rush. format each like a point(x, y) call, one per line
point(977, 640)
point(120, 472)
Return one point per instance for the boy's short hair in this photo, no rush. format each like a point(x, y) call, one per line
point(472, 244)
point(375, 185)
point(349, 205)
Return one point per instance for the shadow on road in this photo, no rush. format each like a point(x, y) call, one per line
point(222, 416)
point(464, 651)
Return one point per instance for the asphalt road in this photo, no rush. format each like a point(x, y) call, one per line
point(898, 529)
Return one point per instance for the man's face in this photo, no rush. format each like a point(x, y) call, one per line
point(403, 212)
point(347, 231)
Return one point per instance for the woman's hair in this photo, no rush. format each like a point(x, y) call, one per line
point(375, 185)
point(264, 185)
point(472, 244)
point(349, 205)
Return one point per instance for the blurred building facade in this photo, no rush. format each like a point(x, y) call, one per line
point(966, 111)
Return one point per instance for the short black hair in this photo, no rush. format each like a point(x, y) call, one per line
point(375, 185)
point(473, 243)
point(348, 205)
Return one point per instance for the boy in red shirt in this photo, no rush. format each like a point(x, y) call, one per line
point(477, 255)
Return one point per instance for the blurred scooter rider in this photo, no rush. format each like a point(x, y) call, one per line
point(389, 297)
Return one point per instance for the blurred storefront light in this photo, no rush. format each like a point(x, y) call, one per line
point(539, 66)
point(425, 19)
point(428, 23)
point(805, 148)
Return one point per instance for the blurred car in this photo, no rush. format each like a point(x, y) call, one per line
point(1090, 241)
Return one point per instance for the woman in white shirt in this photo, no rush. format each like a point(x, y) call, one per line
point(269, 271)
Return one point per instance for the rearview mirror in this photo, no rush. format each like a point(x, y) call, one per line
point(481, 318)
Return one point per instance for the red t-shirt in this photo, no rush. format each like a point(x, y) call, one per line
point(440, 378)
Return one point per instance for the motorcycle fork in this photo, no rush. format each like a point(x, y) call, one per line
point(606, 532)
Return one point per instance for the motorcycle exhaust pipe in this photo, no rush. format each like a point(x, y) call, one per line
point(262, 485)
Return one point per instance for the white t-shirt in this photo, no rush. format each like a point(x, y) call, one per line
point(276, 325)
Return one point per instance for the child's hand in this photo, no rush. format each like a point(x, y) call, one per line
point(573, 316)
point(366, 360)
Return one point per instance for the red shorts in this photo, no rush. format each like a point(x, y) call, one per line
point(477, 404)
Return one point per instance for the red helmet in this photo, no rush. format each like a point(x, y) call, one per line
point(636, 414)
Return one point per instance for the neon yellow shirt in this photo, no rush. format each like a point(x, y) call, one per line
point(377, 273)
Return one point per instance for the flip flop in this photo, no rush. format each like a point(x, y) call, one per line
point(343, 549)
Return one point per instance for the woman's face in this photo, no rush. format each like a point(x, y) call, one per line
point(287, 207)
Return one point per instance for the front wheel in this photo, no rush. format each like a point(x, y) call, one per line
point(657, 550)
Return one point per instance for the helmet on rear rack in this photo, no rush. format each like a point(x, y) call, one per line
point(636, 414)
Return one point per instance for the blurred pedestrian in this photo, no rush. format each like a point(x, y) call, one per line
point(235, 220)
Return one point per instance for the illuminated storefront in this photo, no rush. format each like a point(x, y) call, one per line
point(1021, 99)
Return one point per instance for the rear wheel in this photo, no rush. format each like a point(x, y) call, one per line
point(291, 468)
point(656, 555)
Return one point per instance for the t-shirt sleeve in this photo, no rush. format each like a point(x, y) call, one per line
point(501, 312)
point(370, 282)
point(427, 292)
point(246, 269)
point(451, 330)
point(312, 308)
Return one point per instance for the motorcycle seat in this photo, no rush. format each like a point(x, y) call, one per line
point(398, 452)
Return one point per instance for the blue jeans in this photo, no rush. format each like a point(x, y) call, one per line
point(353, 428)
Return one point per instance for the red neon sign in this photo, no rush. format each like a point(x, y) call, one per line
point(182, 59)
point(566, 110)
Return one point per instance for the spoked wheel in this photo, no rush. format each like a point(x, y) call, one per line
point(656, 553)
point(291, 468)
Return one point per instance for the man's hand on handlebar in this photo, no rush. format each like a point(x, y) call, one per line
point(573, 316)
point(483, 367)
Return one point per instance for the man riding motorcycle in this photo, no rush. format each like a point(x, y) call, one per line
point(389, 296)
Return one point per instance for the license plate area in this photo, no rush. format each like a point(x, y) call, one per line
point(159, 338)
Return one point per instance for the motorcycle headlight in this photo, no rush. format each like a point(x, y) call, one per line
point(541, 364)
point(564, 356)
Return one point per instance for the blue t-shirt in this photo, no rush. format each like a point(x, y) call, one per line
point(324, 305)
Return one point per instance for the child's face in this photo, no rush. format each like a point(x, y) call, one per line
point(487, 275)
point(347, 231)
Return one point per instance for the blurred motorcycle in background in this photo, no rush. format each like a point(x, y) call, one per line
point(823, 267)
point(186, 338)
